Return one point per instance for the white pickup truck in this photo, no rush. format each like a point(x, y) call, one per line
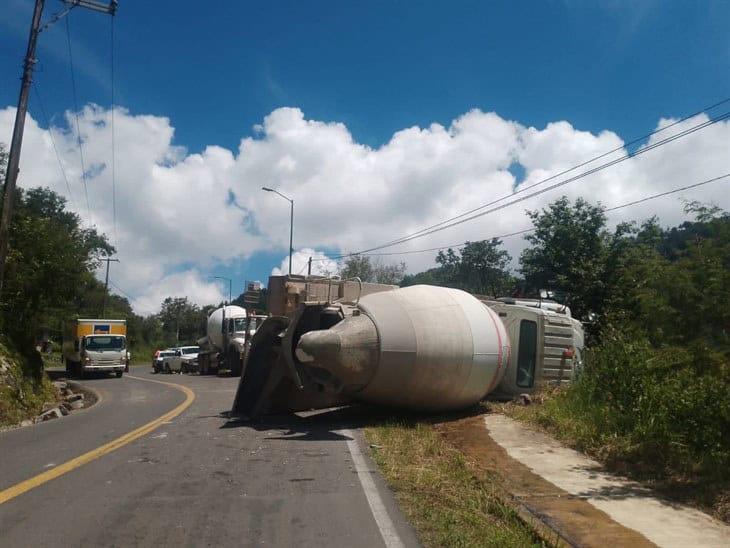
point(184, 360)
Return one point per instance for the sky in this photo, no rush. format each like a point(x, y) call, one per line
point(377, 118)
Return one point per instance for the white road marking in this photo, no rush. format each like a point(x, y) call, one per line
point(377, 507)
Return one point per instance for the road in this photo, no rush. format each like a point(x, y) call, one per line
point(197, 479)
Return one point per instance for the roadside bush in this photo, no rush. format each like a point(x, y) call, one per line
point(662, 412)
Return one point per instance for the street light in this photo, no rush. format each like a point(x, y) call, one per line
point(291, 225)
point(230, 286)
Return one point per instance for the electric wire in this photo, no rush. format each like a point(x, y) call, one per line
point(525, 231)
point(441, 226)
point(582, 164)
point(53, 142)
point(124, 293)
point(76, 117)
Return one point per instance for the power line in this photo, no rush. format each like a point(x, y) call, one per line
point(124, 293)
point(441, 226)
point(525, 231)
point(53, 142)
point(76, 116)
point(564, 172)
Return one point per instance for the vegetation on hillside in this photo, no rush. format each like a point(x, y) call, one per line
point(23, 386)
point(653, 400)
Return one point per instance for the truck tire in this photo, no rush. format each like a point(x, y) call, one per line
point(119, 374)
point(73, 369)
point(234, 363)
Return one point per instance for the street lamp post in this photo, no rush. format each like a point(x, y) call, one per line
point(291, 222)
point(230, 286)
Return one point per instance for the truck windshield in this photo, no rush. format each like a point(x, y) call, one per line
point(104, 343)
point(191, 350)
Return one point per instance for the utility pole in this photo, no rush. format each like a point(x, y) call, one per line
point(106, 283)
point(291, 234)
point(11, 175)
point(309, 267)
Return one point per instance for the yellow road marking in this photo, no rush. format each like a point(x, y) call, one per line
point(53, 473)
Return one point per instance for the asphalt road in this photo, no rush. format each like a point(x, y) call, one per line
point(197, 480)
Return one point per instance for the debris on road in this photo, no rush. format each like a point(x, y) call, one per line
point(68, 401)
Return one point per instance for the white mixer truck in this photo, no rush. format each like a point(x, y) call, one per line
point(228, 333)
point(419, 347)
point(330, 342)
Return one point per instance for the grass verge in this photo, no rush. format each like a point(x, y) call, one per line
point(444, 501)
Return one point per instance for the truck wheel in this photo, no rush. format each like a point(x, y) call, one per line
point(119, 374)
point(234, 363)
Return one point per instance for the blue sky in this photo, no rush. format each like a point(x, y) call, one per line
point(216, 69)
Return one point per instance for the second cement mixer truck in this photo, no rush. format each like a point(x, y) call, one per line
point(228, 333)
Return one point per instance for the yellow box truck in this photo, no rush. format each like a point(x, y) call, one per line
point(95, 345)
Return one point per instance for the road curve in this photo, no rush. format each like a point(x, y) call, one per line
point(196, 480)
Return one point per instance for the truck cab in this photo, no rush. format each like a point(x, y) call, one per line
point(547, 345)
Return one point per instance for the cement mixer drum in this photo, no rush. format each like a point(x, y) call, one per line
point(419, 347)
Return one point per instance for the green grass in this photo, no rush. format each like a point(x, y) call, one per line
point(657, 415)
point(445, 502)
point(24, 387)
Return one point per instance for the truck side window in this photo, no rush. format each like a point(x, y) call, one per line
point(527, 354)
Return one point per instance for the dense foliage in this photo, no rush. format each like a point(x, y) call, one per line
point(372, 270)
point(478, 267)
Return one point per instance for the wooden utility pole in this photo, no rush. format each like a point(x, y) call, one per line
point(11, 174)
point(106, 283)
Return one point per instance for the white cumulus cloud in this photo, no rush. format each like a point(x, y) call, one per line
point(321, 264)
point(179, 214)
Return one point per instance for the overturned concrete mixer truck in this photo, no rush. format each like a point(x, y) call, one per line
point(331, 342)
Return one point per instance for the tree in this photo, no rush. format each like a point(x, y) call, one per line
point(568, 253)
point(373, 271)
point(481, 268)
point(180, 320)
point(50, 264)
point(357, 266)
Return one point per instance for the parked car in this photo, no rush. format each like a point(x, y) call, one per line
point(158, 359)
point(183, 360)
